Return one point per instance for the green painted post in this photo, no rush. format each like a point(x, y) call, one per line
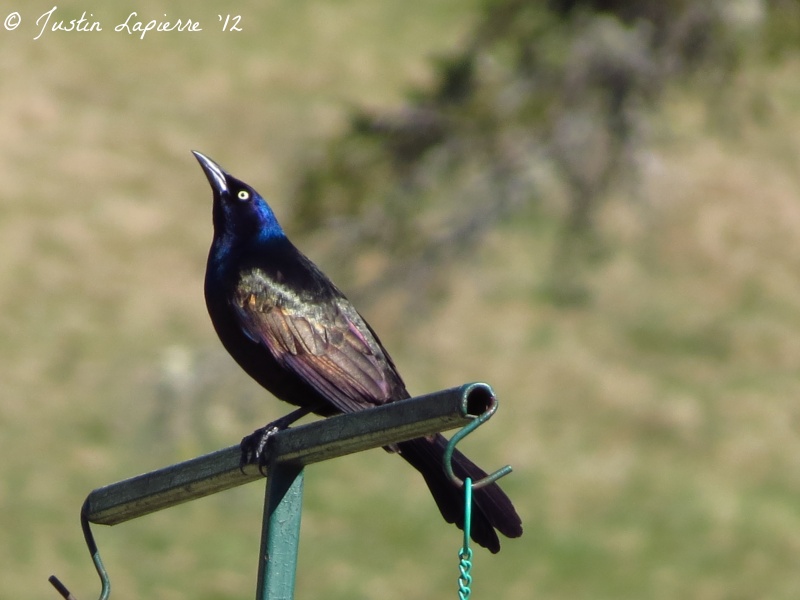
point(289, 451)
point(280, 533)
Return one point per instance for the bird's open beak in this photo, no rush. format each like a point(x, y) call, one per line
point(214, 173)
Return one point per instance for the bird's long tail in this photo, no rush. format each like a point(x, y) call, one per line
point(491, 508)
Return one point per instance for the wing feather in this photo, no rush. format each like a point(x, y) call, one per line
point(328, 345)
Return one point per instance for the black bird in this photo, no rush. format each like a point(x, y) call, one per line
point(292, 330)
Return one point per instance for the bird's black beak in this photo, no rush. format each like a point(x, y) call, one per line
point(214, 173)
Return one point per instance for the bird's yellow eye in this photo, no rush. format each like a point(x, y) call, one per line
point(244, 195)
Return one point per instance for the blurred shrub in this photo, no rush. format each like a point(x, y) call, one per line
point(544, 100)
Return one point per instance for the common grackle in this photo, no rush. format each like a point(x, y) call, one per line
point(292, 330)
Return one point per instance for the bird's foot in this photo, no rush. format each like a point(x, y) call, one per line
point(254, 446)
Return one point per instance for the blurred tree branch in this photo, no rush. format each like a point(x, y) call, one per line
point(541, 92)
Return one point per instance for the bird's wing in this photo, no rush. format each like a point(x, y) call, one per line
point(328, 344)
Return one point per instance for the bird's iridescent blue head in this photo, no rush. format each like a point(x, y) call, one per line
point(240, 213)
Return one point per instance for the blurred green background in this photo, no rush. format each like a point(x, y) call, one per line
point(591, 205)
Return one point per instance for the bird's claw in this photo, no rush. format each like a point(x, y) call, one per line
point(254, 447)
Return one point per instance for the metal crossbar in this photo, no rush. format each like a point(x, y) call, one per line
point(289, 451)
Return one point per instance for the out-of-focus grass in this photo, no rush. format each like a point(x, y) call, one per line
point(653, 430)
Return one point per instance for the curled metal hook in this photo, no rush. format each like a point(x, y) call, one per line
point(105, 590)
point(491, 408)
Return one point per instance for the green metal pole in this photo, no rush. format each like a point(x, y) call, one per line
point(289, 451)
point(280, 533)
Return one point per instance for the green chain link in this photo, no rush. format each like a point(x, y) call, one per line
point(465, 554)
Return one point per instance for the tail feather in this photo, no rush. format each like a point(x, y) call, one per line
point(491, 509)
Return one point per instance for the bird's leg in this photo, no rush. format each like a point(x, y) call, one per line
point(253, 445)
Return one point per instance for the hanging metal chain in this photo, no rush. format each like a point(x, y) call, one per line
point(465, 554)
